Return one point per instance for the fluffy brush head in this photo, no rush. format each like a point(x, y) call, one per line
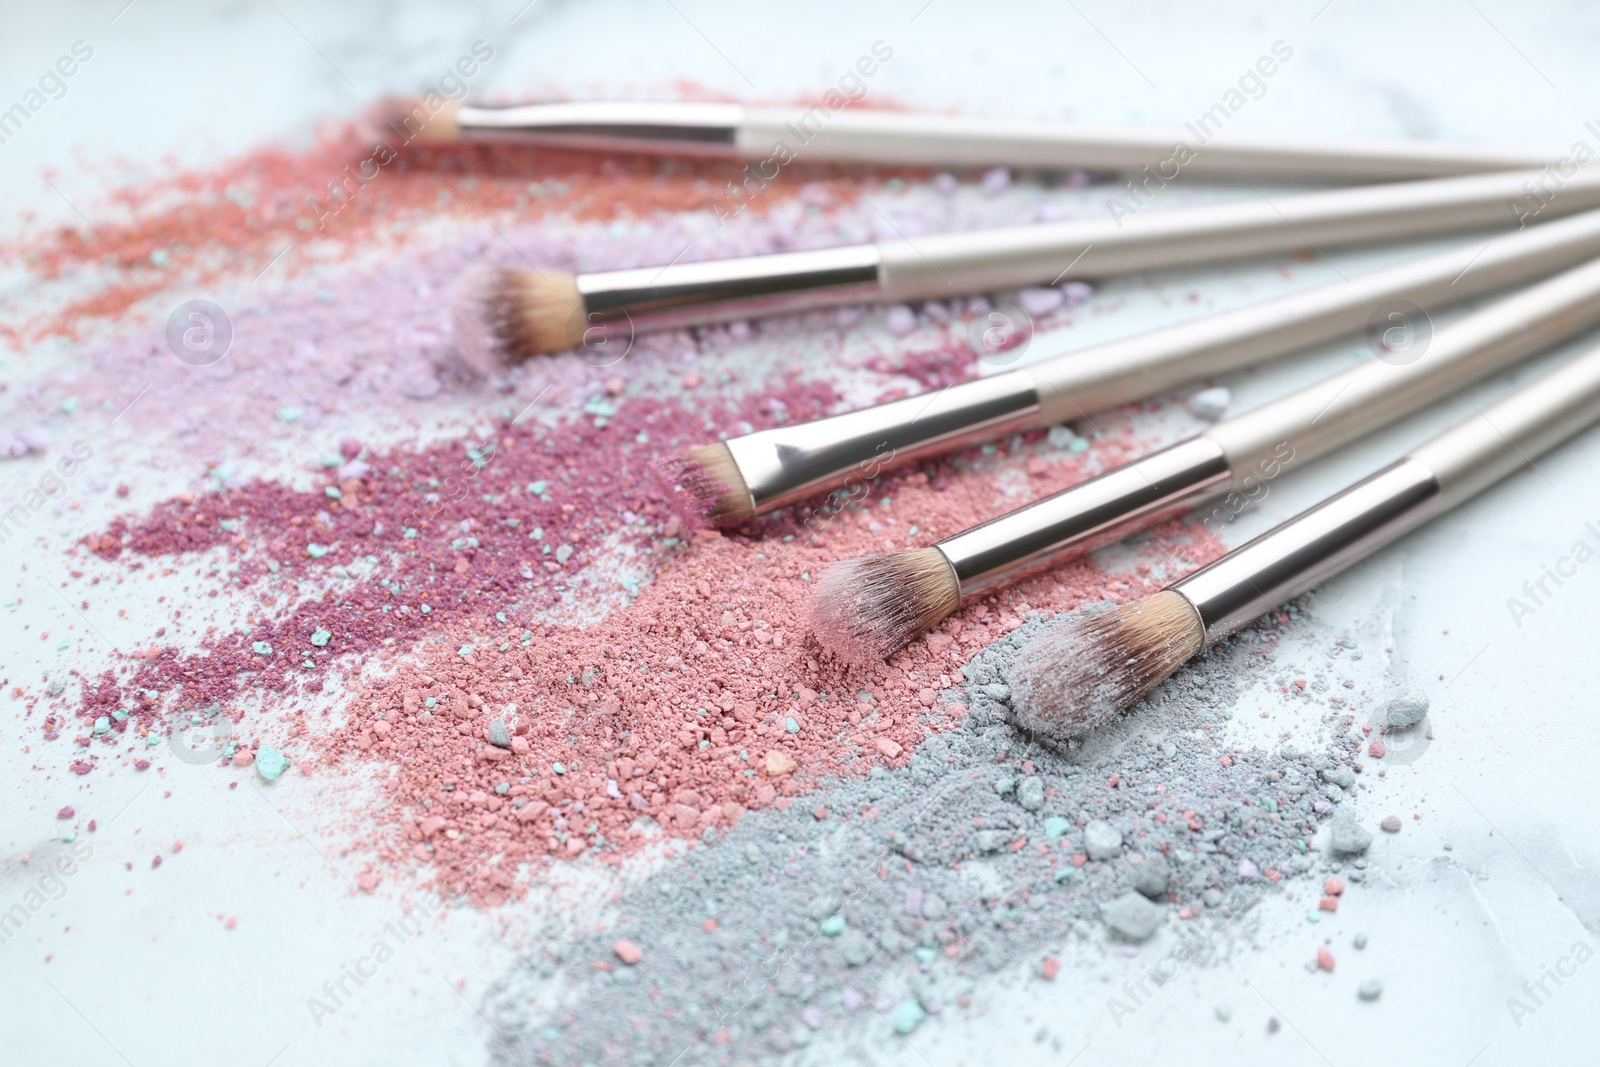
point(1079, 674)
point(716, 490)
point(526, 312)
point(867, 608)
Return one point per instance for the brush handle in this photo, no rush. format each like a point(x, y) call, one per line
point(787, 464)
point(1105, 376)
point(773, 137)
point(1445, 471)
point(1512, 433)
point(859, 135)
point(945, 265)
point(1254, 448)
point(1340, 409)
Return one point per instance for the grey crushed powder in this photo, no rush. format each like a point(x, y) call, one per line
point(926, 878)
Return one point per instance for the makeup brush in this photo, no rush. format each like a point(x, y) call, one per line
point(733, 480)
point(1079, 674)
point(772, 137)
point(869, 607)
point(533, 311)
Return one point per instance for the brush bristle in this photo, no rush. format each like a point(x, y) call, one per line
point(408, 118)
point(867, 608)
point(1078, 675)
point(716, 490)
point(530, 313)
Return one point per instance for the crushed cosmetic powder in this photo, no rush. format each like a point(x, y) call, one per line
point(476, 593)
point(881, 901)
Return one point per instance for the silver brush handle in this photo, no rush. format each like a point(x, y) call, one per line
point(952, 264)
point(1282, 564)
point(686, 294)
point(1091, 513)
point(1253, 448)
point(1445, 471)
point(945, 265)
point(858, 135)
point(789, 463)
point(610, 126)
point(1340, 409)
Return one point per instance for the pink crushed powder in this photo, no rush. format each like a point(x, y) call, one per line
point(678, 705)
point(702, 699)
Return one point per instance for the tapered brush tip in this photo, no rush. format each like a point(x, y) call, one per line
point(1079, 674)
point(867, 608)
point(506, 315)
point(714, 490)
point(409, 119)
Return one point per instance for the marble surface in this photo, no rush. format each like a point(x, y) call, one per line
point(1507, 782)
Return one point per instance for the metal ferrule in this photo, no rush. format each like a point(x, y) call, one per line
point(685, 294)
point(672, 129)
point(1291, 558)
point(790, 463)
point(1108, 507)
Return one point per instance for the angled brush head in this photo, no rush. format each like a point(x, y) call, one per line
point(715, 491)
point(523, 313)
point(1081, 673)
point(866, 608)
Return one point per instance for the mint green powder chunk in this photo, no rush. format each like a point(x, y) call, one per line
point(270, 762)
point(907, 1017)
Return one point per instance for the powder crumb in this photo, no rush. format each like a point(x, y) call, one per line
point(270, 763)
point(1325, 959)
point(627, 952)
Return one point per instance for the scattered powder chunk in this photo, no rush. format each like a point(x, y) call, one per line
point(907, 1017)
point(1101, 840)
point(1348, 835)
point(1390, 824)
point(1132, 917)
point(1040, 301)
point(1371, 989)
point(1151, 880)
point(996, 181)
point(1030, 794)
point(627, 952)
point(901, 320)
point(1325, 960)
point(270, 763)
point(1405, 710)
point(1211, 404)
